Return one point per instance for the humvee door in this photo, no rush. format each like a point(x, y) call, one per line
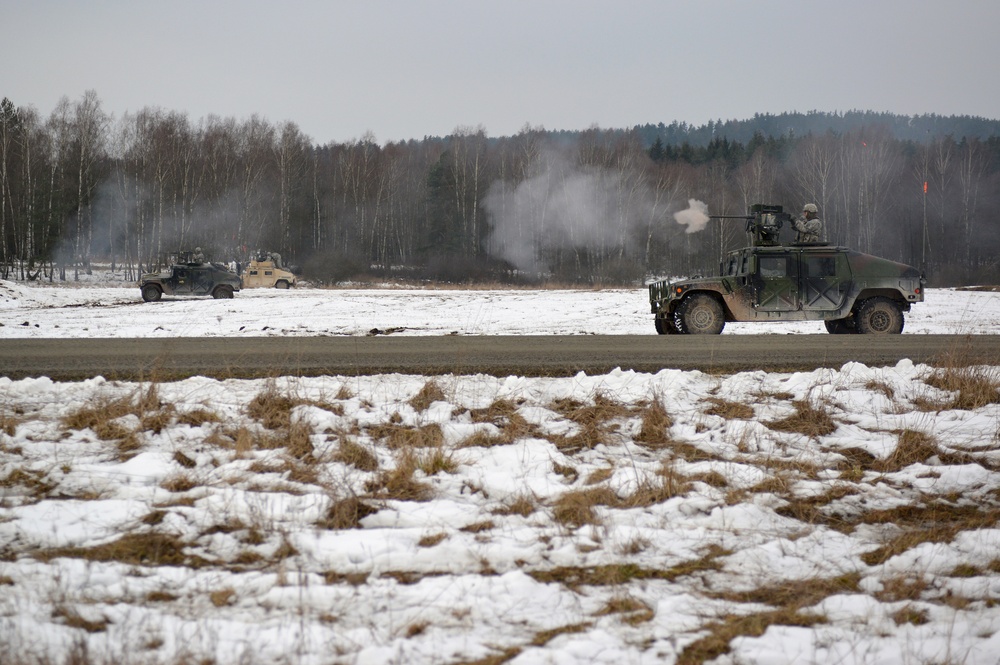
point(777, 282)
point(825, 278)
point(181, 282)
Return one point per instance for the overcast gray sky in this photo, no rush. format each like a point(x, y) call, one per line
point(406, 69)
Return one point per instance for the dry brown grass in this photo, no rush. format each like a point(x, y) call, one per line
point(101, 414)
point(654, 430)
point(398, 482)
point(353, 453)
point(140, 549)
point(808, 420)
point(398, 437)
point(181, 482)
point(797, 594)
point(576, 508)
point(543, 637)
point(8, 424)
point(197, 417)
point(478, 527)
point(521, 504)
point(431, 540)
point(631, 610)
point(910, 615)
point(484, 439)
point(33, 480)
point(270, 408)
point(503, 415)
point(973, 387)
point(599, 476)
point(430, 392)
point(877, 386)
point(728, 409)
point(437, 460)
point(912, 447)
point(567, 472)
point(619, 574)
point(929, 523)
point(592, 420)
point(898, 588)
point(222, 597)
point(71, 618)
point(346, 514)
point(809, 509)
point(722, 633)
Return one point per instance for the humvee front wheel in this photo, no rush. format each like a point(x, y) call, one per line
point(281, 284)
point(151, 293)
point(878, 316)
point(222, 292)
point(700, 314)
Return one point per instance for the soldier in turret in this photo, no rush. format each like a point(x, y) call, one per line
point(809, 227)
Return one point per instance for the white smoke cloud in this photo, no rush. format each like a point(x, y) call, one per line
point(695, 217)
point(565, 205)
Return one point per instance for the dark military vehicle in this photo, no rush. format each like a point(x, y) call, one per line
point(849, 291)
point(190, 277)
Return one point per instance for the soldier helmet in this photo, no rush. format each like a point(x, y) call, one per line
point(810, 207)
point(197, 249)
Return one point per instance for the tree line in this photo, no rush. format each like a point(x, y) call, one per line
point(596, 206)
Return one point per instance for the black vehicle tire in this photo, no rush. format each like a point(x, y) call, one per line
point(151, 293)
point(700, 314)
point(665, 326)
point(281, 284)
point(222, 292)
point(840, 327)
point(878, 316)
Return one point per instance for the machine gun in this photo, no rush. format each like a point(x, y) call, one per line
point(764, 223)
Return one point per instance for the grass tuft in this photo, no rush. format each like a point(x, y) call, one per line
point(357, 455)
point(973, 387)
point(431, 392)
point(399, 437)
point(729, 410)
point(346, 514)
point(656, 423)
point(808, 420)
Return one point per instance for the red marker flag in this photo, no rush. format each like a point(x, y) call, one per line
point(925, 186)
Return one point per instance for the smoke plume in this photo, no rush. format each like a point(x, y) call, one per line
point(695, 217)
point(565, 205)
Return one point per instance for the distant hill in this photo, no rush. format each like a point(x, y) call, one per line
point(917, 128)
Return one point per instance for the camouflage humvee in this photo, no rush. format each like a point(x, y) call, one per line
point(849, 291)
point(190, 279)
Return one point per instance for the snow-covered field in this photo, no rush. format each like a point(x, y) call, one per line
point(833, 516)
point(107, 311)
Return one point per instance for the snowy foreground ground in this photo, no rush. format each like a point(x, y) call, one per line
point(833, 516)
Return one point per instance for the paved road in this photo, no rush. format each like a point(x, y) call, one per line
point(148, 359)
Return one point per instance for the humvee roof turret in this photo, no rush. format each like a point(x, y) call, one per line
point(849, 291)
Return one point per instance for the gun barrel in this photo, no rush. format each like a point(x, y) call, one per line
point(730, 216)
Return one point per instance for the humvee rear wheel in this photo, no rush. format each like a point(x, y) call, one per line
point(151, 293)
point(700, 314)
point(222, 292)
point(879, 316)
point(840, 327)
point(281, 284)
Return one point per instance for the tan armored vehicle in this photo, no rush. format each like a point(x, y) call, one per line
point(265, 271)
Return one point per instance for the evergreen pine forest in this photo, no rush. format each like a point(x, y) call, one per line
point(79, 187)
